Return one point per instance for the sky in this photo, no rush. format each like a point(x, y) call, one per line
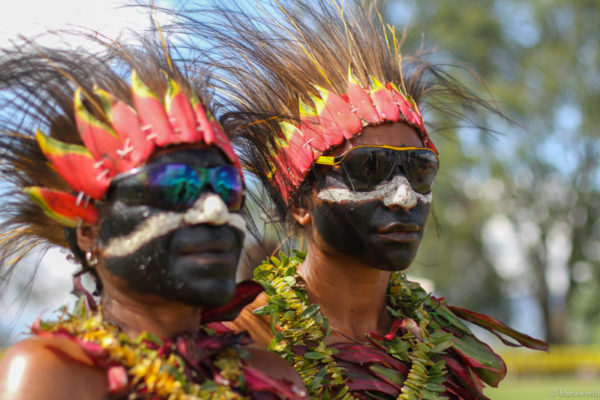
point(32, 17)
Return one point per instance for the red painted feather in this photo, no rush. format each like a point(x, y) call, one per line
point(76, 166)
point(203, 123)
point(361, 101)
point(181, 115)
point(99, 138)
point(406, 108)
point(336, 116)
point(63, 207)
point(298, 152)
point(126, 123)
point(383, 100)
point(311, 127)
point(136, 147)
point(154, 118)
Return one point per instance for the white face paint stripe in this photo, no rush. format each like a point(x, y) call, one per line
point(208, 209)
point(396, 191)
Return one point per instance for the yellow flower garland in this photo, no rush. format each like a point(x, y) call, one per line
point(149, 373)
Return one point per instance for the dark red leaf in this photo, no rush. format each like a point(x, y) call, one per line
point(496, 327)
point(357, 353)
point(245, 293)
point(360, 379)
point(258, 381)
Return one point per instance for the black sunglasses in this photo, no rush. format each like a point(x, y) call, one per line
point(176, 186)
point(367, 166)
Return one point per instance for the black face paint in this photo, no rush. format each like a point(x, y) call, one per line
point(195, 265)
point(383, 237)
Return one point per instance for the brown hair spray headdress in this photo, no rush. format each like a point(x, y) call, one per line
point(98, 126)
point(304, 76)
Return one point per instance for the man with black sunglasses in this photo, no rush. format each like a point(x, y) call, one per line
point(328, 120)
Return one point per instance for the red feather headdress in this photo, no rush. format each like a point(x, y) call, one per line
point(304, 77)
point(125, 143)
point(333, 118)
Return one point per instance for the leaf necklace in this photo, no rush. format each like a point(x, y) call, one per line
point(300, 334)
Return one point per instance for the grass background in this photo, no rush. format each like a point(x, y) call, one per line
point(546, 388)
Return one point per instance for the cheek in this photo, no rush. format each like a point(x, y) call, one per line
point(343, 227)
point(394, 192)
point(353, 230)
point(132, 250)
point(144, 270)
point(121, 220)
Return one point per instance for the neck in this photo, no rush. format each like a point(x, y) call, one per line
point(351, 294)
point(134, 313)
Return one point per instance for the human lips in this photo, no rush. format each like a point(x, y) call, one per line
point(212, 246)
point(399, 232)
point(213, 252)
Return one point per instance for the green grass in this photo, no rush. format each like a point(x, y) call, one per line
point(546, 388)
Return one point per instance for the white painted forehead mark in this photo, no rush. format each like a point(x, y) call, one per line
point(395, 192)
point(208, 209)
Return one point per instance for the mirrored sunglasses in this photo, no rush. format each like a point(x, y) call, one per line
point(176, 186)
point(364, 167)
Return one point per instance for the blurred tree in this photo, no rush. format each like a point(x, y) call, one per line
point(519, 212)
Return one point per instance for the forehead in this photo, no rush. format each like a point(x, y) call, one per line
point(396, 134)
point(198, 155)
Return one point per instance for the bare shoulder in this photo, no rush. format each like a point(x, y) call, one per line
point(49, 368)
point(258, 326)
point(275, 367)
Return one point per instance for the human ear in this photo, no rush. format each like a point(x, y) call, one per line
point(301, 212)
point(87, 237)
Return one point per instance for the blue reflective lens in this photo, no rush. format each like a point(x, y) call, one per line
point(177, 186)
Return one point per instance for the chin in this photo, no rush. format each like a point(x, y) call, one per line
point(391, 264)
point(210, 293)
point(391, 257)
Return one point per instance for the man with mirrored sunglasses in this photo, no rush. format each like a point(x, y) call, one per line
point(140, 184)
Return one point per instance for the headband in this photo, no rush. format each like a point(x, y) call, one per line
point(331, 120)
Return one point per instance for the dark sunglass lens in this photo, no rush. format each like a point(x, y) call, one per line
point(366, 167)
point(131, 191)
point(420, 167)
point(227, 183)
point(174, 186)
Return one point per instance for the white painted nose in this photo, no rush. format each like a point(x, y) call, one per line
point(208, 209)
point(402, 194)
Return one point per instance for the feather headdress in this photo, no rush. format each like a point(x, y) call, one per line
point(305, 76)
point(103, 115)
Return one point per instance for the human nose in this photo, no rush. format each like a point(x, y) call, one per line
point(208, 208)
point(401, 194)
